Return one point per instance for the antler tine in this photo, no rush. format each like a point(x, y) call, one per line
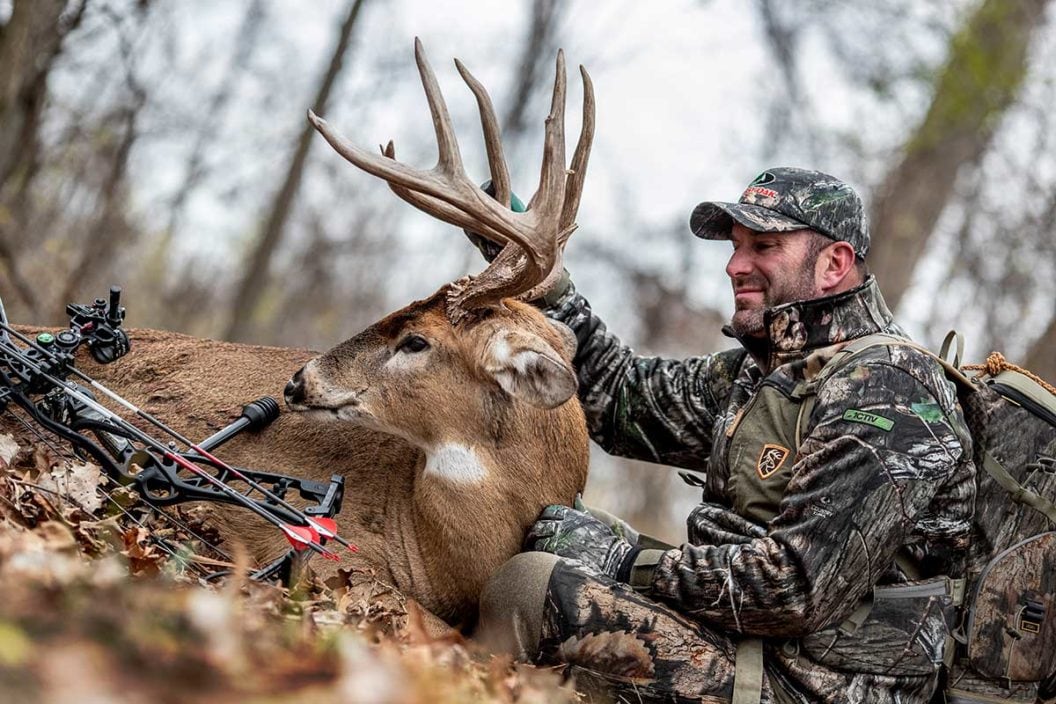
point(578, 169)
point(573, 191)
point(450, 158)
point(386, 169)
point(440, 209)
point(500, 174)
point(530, 274)
point(548, 197)
point(447, 182)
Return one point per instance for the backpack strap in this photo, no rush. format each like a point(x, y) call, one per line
point(748, 672)
point(1018, 492)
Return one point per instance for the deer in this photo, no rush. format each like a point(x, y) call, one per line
point(453, 420)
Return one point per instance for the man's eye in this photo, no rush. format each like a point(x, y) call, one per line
point(413, 343)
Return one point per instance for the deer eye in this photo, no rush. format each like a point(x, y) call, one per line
point(412, 344)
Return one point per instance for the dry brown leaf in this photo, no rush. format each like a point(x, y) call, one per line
point(355, 639)
point(8, 449)
point(614, 653)
point(143, 556)
point(78, 481)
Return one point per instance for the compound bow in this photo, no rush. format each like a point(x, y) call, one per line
point(36, 378)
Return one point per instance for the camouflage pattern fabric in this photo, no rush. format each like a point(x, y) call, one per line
point(567, 532)
point(884, 469)
point(785, 199)
point(622, 646)
point(1025, 445)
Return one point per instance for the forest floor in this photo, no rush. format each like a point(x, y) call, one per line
point(92, 609)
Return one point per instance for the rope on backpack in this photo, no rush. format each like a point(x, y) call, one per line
point(996, 363)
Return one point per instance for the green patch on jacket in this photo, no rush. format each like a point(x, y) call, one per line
point(855, 416)
point(928, 412)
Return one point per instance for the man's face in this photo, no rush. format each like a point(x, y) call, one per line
point(767, 270)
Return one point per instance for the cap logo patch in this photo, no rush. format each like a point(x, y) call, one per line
point(764, 178)
point(771, 459)
point(758, 191)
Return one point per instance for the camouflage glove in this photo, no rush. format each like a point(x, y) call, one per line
point(577, 535)
point(490, 249)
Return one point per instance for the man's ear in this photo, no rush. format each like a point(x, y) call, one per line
point(834, 266)
point(528, 368)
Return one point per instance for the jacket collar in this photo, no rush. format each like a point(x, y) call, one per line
point(795, 329)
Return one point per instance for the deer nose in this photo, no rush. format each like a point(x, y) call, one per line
point(294, 392)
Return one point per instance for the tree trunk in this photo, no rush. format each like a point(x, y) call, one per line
point(535, 54)
point(245, 308)
point(981, 79)
point(29, 43)
point(109, 230)
point(1041, 359)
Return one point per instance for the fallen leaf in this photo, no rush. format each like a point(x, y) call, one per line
point(143, 556)
point(77, 481)
point(615, 653)
point(8, 449)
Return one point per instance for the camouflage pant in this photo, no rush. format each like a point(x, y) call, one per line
point(619, 644)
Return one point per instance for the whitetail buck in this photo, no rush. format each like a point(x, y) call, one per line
point(453, 420)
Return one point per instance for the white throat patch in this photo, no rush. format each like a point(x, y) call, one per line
point(455, 463)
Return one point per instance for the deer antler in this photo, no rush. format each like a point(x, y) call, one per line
point(531, 260)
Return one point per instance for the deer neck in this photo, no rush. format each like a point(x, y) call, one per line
point(471, 503)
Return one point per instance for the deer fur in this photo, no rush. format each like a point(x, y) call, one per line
point(436, 535)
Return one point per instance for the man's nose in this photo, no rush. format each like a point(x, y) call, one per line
point(294, 392)
point(739, 265)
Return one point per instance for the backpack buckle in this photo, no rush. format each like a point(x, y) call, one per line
point(1031, 616)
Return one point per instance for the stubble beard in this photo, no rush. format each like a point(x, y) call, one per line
point(750, 320)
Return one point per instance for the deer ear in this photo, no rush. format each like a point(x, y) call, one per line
point(528, 368)
point(569, 342)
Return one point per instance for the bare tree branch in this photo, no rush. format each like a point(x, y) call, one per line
point(247, 298)
point(1041, 359)
point(535, 60)
point(980, 81)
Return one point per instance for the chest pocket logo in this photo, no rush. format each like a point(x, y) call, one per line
point(771, 459)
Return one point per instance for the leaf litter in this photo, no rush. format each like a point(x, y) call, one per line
point(96, 610)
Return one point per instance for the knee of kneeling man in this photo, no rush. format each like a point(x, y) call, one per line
point(520, 582)
point(512, 603)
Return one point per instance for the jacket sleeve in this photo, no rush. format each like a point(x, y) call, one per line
point(858, 490)
point(659, 410)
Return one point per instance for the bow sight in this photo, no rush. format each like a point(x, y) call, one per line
point(36, 379)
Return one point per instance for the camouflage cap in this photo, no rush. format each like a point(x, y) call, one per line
point(786, 199)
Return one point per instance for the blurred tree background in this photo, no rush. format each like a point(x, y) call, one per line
point(163, 146)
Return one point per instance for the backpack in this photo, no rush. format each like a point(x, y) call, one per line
point(1006, 636)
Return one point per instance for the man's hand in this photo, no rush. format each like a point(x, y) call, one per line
point(577, 535)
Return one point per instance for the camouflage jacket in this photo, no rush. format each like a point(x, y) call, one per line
point(882, 470)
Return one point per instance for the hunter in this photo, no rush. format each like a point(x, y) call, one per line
point(824, 562)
